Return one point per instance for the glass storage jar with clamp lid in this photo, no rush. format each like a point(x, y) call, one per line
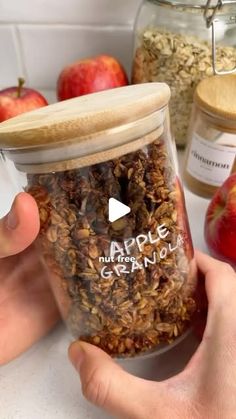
point(181, 43)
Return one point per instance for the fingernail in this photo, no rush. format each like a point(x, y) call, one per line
point(76, 355)
point(12, 219)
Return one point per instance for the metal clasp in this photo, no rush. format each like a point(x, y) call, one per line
point(210, 11)
point(210, 14)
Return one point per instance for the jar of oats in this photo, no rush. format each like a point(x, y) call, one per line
point(114, 232)
point(180, 43)
point(211, 152)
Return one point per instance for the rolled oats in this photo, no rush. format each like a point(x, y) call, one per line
point(181, 61)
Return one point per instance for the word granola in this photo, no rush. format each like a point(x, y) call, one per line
point(124, 313)
point(135, 264)
point(181, 61)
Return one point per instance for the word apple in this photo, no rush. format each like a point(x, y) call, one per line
point(220, 223)
point(90, 76)
point(17, 100)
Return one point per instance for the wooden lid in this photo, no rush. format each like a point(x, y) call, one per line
point(83, 116)
point(217, 95)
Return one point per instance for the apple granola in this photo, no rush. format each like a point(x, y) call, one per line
point(128, 285)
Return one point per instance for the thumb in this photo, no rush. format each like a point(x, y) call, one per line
point(20, 226)
point(108, 386)
point(218, 348)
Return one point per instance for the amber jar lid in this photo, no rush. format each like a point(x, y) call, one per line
point(216, 95)
point(83, 117)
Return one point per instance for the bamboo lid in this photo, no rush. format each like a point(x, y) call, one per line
point(83, 117)
point(217, 95)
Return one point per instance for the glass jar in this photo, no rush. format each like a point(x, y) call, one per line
point(127, 285)
point(211, 151)
point(181, 43)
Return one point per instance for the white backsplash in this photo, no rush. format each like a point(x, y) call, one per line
point(39, 37)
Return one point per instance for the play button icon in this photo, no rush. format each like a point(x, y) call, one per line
point(117, 210)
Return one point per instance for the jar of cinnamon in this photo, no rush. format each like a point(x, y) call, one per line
point(211, 152)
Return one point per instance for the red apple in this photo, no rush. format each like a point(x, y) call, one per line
point(90, 76)
point(220, 223)
point(17, 100)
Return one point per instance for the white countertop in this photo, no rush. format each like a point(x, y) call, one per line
point(43, 384)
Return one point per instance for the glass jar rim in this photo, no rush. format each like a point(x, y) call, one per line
point(85, 116)
point(219, 123)
point(179, 4)
point(91, 149)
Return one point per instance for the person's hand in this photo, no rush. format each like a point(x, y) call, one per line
point(207, 386)
point(27, 307)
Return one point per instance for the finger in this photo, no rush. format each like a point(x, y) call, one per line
point(207, 263)
point(220, 281)
point(19, 228)
point(220, 332)
point(108, 386)
point(214, 363)
point(28, 310)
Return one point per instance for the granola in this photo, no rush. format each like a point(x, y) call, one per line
point(127, 286)
point(181, 61)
